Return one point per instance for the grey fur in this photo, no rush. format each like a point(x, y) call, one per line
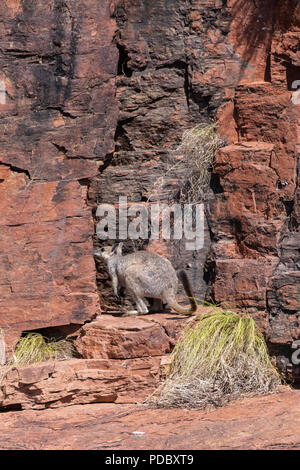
point(144, 274)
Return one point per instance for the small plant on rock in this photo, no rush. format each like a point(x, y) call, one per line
point(33, 348)
point(195, 158)
point(198, 148)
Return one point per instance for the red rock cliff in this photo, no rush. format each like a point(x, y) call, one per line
point(94, 96)
point(58, 118)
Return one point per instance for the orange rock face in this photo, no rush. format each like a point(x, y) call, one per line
point(269, 422)
point(255, 217)
point(93, 96)
point(58, 118)
point(124, 361)
point(124, 338)
point(238, 63)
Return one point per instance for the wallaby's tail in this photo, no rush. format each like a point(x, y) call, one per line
point(189, 292)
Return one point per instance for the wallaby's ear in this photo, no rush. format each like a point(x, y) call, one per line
point(119, 249)
point(114, 247)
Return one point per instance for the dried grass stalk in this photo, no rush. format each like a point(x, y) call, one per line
point(196, 157)
point(198, 147)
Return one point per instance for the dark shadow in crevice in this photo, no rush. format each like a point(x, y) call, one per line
point(124, 58)
point(268, 74)
point(292, 76)
point(121, 139)
point(215, 184)
point(13, 407)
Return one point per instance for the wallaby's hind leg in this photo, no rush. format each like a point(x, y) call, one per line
point(134, 291)
point(156, 307)
point(141, 306)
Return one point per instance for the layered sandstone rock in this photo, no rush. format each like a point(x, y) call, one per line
point(254, 261)
point(93, 99)
point(124, 361)
point(268, 422)
point(58, 119)
point(183, 64)
point(79, 381)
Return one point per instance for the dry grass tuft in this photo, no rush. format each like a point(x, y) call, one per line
point(221, 356)
point(33, 348)
point(198, 147)
point(197, 153)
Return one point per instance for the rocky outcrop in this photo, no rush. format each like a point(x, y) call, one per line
point(124, 361)
point(269, 422)
point(176, 68)
point(58, 119)
point(254, 262)
point(235, 61)
point(94, 98)
point(129, 337)
point(79, 381)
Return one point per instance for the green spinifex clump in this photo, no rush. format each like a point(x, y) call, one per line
point(221, 356)
point(34, 347)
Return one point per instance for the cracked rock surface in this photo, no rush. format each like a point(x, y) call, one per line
point(94, 97)
point(268, 422)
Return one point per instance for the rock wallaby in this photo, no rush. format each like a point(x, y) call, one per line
point(146, 275)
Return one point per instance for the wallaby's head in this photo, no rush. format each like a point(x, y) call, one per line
point(108, 251)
